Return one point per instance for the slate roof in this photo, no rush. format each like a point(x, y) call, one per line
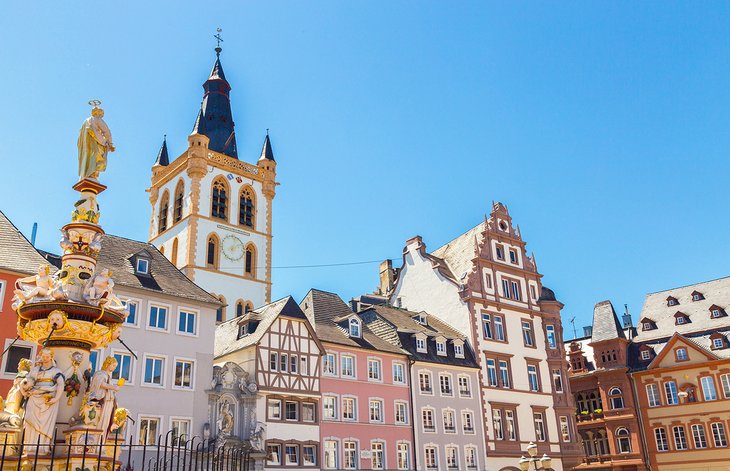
point(330, 317)
point(459, 252)
point(118, 253)
point(267, 153)
point(16, 252)
point(226, 333)
point(398, 327)
point(606, 325)
point(162, 157)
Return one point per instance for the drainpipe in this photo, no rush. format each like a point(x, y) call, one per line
point(642, 434)
point(412, 393)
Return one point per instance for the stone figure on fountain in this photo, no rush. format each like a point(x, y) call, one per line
point(12, 410)
point(95, 141)
point(103, 392)
point(40, 287)
point(45, 383)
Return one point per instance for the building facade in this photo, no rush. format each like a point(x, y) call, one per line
point(607, 422)
point(211, 212)
point(485, 285)
point(366, 405)
point(276, 347)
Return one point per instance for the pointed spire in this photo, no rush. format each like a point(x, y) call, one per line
point(199, 127)
point(162, 156)
point(266, 152)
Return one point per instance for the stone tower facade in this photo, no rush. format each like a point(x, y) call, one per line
point(211, 212)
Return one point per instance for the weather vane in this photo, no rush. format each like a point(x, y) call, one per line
point(95, 103)
point(219, 39)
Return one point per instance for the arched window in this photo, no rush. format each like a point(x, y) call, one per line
point(616, 398)
point(219, 199)
point(173, 256)
point(177, 212)
point(247, 207)
point(248, 308)
point(211, 255)
point(250, 262)
point(239, 309)
point(162, 217)
point(220, 313)
point(354, 328)
point(623, 440)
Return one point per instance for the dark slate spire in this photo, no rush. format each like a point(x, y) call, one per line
point(266, 152)
point(162, 156)
point(606, 325)
point(215, 119)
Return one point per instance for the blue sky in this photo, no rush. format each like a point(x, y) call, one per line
point(602, 126)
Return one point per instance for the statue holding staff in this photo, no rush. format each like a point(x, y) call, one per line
point(95, 141)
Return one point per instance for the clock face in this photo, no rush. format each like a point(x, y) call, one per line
point(232, 248)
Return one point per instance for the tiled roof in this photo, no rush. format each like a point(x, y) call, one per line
point(606, 325)
point(459, 253)
point(331, 314)
point(118, 253)
point(16, 252)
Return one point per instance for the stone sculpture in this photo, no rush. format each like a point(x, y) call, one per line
point(43, 389)
point(41, 286)
point(103, 392)
point(95, 141)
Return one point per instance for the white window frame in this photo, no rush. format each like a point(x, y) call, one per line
point(465, 422)
point(192, 374)
point(137, 265)
point(653, 397)
point(468, 385)
point(454, 450)
point(458, 349)
point(707, 383)
point(699, 433)
point(469, 449)
point(379, 362)
point(426, 449)
point(174, 419)
point(396, 405)
point(381, 409)
point(450, 378)
point(132, 363)
point(354, 322)
point(551, 334)
point(661, 440)
point(334, 450)
point(403, 372)
point(433, 420)
point(271, 462)
point(196, 316)
point(430, 383)
point(441, 348)
point(3, 283)
point(140, 418)
point(314, 454)
point(353, 399)
point(18, 343)
point(685, 354)
point(421, 344)
point(269, 410)
point(137, 313)
point(452, 414)
point(155, 356)
point(168, 309)
point(354, 446)
point(718, 343)
point(645, 355)
point(404, 449)
point(383, 464)
point(353, 359)
point(334, 371)
point(335, 400)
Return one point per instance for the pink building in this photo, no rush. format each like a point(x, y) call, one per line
point(366, 420)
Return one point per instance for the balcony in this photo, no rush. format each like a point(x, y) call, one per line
point(596, 459)
point(586, 416)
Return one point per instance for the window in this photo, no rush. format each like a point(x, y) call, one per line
point(645, 355)
point(376, 410)
point(330, 454)
point(551, 339)
point(491, 373)
point(431, 457)
point(219, 201)
point(292, 454)
point(445, 382)
point(452, 457)
point(467, 422)
point(458, 350)
point(509, 416)
point(239, 309)
point(283, 362)
point(246, 207)
point(158, 317)
point(173, 256)
point(708, 388)
point(291, 410)
point(402, 456)
point(680, 320)
point(347, 366)
point(681, 354)
point(441, 348)
point(698, 436)
point(715, 313)
point(399, 375)
point(329, 407)
point(487, 326)
point(274, 361)
point(184, 374)
point(647, 326)
point(660, 436)
point(328, 364)
point(424, 381)
point(718, 343)
point(154, 370)
point(558, 380)
point(725, 380)
point(308, 414)
point(274, 409)
point(401, 412)
point(274, 454)
point(162, 217)
point(250, 261)
point(220, 313)
point(308, 455)
point(143, 266)
point(348, 408)
point(293, 364)
point(211, 255)
point(652, 394)
point(718, 435)
point(178, 204)
point(421, 345)
point(498, 328)
point(504, 375)
point(377, 455)
point(427, 420)
point(533, 378)
point(94, 360)
point(470, 457)
point(464, 386)
point(515, 285)
point(421, 319)
point(354, 328)
point(186, 322)
point(565, 428)
point(350, 455)
point(672, 301)
point(499, 252)
point(498, 425)
point(623, 440)
point(513, 255)
point(149, 428)
point(670, 390)
point(132, 307)
point(539, 426)
point(124, 367)
point(449, 423)
point(180, 431)
point(680, 439)
point(505, 288)
point(374, 370)
point(527, 337)
point(615, 396)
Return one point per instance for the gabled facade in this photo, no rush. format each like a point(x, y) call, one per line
point(444, 379)
point(366, 405)
point(211, 212)
point(485, 285)
point(277, 345)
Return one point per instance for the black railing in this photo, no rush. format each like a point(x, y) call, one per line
point(165, 454)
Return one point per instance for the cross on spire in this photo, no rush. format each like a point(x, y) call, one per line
point(219, 39)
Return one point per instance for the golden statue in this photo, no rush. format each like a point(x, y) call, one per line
point(95, 140)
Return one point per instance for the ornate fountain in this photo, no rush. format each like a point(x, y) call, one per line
point(57, 414)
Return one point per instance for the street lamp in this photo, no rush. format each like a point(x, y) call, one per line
point(537, 463)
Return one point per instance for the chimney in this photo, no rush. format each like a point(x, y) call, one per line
point(627, 317)
point(588, 331)
point(386, 277)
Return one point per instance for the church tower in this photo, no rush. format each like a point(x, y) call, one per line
point(211, 212)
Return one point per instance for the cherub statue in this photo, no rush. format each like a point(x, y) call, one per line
point(100, 290)
point(12, 408)
point(95, 141)
point(41, 285)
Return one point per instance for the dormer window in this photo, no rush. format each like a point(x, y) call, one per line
point(243, 330)
point(645, 355)
point(681, 354)
point(421, 319)
point(142, 266)
point(681, 318)
point(647, 324)
point(716, 312)
point(421, 344)
point(354, 328)
point(441, 348)
point(458, 349)
point(672, 301)
point(697, 296)
point(717, 341)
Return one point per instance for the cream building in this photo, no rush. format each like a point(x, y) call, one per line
point(211, 212)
